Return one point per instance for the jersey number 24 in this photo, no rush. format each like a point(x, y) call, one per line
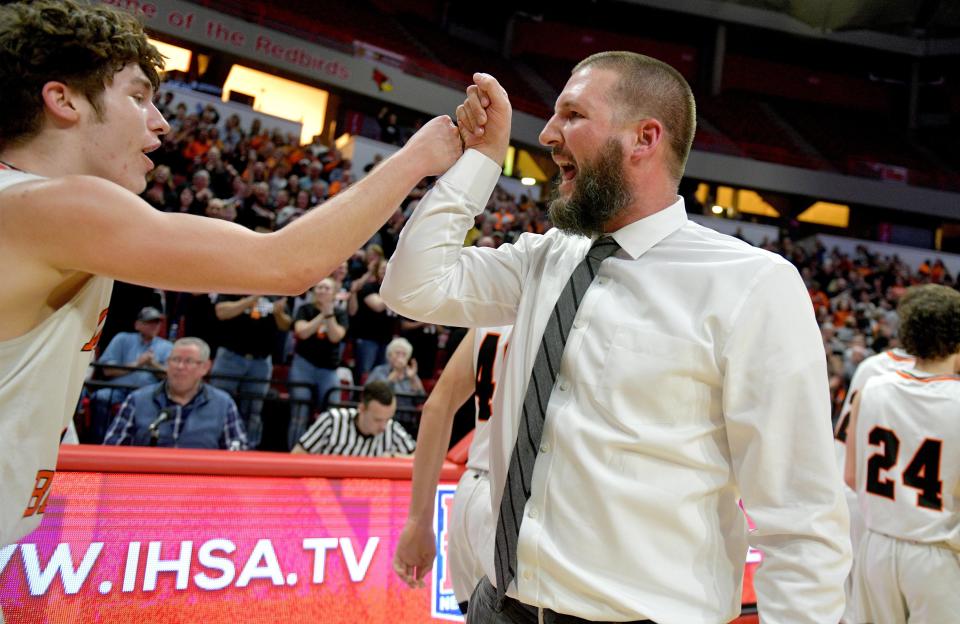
point(921, 474)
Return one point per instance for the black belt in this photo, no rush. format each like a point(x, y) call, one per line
point(526, 611)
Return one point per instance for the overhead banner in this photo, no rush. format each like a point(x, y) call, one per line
point(361, 73)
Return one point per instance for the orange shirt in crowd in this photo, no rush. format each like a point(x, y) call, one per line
point(840, 317)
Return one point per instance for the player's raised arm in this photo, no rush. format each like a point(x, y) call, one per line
point(87, 224)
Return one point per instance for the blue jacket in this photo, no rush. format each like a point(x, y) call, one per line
point(209, 421)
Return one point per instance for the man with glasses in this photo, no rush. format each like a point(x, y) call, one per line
point(182, 411)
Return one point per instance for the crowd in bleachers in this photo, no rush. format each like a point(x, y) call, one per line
point(263, 179)
point(855, 299)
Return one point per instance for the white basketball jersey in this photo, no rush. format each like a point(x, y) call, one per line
point(884, 362)
point(41, 375)
point(489, 348)
point(908, 457)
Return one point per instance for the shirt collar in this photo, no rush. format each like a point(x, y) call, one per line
point(638, 237)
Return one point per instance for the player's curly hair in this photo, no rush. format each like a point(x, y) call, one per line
point(930, 322)
point(81, 45)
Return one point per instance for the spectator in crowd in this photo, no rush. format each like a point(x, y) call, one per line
point(295, 210)
point(232, 132)
point(182, 411)
point(371, 323)
point(220, 173)
point(202, 193)
point(389, 130)
point(424, 339)
point(367, 430)
point(219, 209)
point(313, 176)
point(319, 327)
point(244, 363)
point(400, 371)
point(164, 103)
point(186, 202)
point(160, 192)
point(256, 212)
point(143, 349)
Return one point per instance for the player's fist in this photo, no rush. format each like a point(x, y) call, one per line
point(484, 118)
point(435, 146)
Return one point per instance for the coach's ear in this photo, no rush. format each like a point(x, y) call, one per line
point(61, 103)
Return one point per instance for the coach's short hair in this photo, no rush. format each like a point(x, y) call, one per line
point(651, 88)
point(81, 45)
point(930, 322)
point(379, 391)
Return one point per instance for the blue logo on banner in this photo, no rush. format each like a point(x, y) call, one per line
point(443, 603)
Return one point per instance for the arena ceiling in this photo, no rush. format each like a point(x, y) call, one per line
point(914, 27)
point(921, 18)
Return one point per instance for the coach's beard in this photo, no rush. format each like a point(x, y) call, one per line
point(600, 194)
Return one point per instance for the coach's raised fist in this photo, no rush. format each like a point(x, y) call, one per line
point(484, 118)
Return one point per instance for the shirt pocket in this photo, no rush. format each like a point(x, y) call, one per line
point(649, 377)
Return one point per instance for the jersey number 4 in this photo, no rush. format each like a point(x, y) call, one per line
point(921, 474)
point(486, 357)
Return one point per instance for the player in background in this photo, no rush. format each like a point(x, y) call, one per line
point(873, 366)
point(472, 369)
point(903, 460)
point(77, 121)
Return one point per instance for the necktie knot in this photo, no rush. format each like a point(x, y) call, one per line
point(603, 248)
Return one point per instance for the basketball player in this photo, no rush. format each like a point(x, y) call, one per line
point(471, 369)
point(875, 365)
point(76, 123)
point(903, 460)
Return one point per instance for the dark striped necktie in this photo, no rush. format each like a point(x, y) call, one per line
point(516, 491)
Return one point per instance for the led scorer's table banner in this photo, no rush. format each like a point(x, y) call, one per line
point(139, 535)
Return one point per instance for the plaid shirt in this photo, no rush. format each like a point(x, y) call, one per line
point(209, 420)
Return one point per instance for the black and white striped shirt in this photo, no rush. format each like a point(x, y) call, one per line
point(335, 433)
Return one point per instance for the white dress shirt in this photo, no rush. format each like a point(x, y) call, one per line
point(694, 375)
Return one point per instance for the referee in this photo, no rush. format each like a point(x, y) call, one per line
point(367, 430)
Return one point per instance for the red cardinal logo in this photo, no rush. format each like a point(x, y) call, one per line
point(382, 80)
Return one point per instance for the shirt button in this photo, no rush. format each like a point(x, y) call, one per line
point(602, 281)
point(527, 575)
point(545, 448)
point(578, 324)
point(563, 386)
point(533, 513)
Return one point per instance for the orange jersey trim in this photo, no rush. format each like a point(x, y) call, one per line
point(900, 358)
point(907, 375)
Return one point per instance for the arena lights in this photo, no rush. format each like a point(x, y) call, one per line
point(280, 97)
point(177, 58)
point(717, 210)
point(528, 181)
